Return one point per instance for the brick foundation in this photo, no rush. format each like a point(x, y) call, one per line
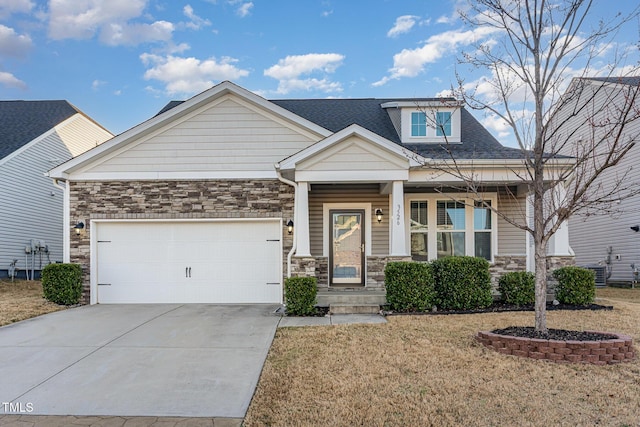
point(605, 352)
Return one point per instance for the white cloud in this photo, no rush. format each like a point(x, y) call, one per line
point(82, 19)
point(244, 9)
point(12, 43)
point(96, 84)
point(327, 13)
point(196, 22)
point(11, 81)
point(411, 62)
point(9, 7)
point(403, 24)
point(497, 125)
point(289, 70)
point(189, 75)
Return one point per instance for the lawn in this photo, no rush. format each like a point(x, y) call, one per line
point(428, 370)
point(21, 299)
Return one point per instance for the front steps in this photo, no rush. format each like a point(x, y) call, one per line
point(351, 300)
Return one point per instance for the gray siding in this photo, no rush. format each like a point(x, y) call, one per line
point(31, 206)
point(321, 194)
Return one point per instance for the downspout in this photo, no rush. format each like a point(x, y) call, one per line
point(66, 228)
point(295, 216)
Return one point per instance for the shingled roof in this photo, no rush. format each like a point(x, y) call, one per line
point(337, 114)
point(23, 121)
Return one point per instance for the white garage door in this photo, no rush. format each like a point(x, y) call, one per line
point(188, 262)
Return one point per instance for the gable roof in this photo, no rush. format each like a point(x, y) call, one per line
point(631, 81)
point(338, 114)
point(23, 121)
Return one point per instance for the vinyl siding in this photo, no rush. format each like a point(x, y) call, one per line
point(511, 240)
point(228, 136)
point(31, 205)
point(321, 194)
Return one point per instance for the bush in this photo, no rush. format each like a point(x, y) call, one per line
point(518, 287)
point(576, 285)
point(300, 295)
point(410, 286)
point(462, 283)
point(62, 283)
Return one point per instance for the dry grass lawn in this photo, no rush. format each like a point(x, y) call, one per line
point(428, 370)
point(22, 300)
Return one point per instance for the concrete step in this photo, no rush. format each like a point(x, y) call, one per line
point(354, 309)
point(326, 298)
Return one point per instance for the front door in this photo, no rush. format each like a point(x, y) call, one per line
point(347, 247)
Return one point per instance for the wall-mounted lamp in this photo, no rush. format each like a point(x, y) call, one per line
point(290, 226)
point(379, 214)
point(79, 227)
point(636, 228)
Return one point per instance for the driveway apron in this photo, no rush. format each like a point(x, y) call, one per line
point(193, 360)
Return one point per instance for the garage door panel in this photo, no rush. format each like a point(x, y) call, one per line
point(183, 262)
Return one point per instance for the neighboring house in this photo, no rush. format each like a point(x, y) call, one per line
point(610, 239)
point(34, 137)
point(218, 198)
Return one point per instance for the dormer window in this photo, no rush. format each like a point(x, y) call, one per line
point(443, 123)
point(434, 121)
point(418, 124)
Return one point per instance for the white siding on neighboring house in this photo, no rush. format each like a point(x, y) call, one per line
point(31, 206)
point(230, 136)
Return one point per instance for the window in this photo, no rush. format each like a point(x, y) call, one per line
point(451, 228)
point(443, 124)
point(482, 229)
point(419, 231)
point(418, 124)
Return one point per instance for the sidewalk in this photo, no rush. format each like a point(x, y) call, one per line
point(331, 319)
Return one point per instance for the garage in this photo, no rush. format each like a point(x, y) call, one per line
point(198, 261)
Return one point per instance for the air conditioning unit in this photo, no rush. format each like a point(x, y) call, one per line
point(601, 274)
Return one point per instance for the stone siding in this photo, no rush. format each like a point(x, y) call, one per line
point(314, 266)
point(375, 269)
point(504, 264)
point(174, 200)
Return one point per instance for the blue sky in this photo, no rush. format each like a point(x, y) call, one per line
point(120, 61)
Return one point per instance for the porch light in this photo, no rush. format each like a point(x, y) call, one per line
point(636, 228)
point(290, 227)
point(79, 227)
point(379, 214)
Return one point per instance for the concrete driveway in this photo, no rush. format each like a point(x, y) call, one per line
point(194, 360)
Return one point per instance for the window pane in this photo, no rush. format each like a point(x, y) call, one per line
point(482, 216)
point(450, 244)
point(419, 246)
point(443, 124)
point(419, 215)
point(418, 124)
point(451, 215)
point(483, 245)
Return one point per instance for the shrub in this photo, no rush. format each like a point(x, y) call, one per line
point(462, 283)
point(410, 286)
point(300, 295)
point(518, 287)
point(576, 285)
point(62, 283)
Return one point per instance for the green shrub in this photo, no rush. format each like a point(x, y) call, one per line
point(462, 283)
point(300, 295)
point(576, 285)
point(62, 283)
point(410, 286)
point(518, 287)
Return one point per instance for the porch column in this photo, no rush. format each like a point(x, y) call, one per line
point(559, 242)
point(396, 219)
point(301, 222)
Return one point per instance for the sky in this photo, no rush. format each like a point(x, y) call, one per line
point(121, 61)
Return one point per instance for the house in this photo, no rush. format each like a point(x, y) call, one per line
point(610, 238)
point(34, 137)
point(218, 198)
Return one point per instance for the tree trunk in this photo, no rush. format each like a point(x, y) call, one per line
point(541, 286)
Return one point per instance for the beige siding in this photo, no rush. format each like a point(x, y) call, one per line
point(319, 195)
point(353, 154)
point(228, 136)
point(511, 240)
point(81, 134)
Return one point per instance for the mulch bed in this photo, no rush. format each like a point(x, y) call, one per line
point(499, 307)
point(553, 334)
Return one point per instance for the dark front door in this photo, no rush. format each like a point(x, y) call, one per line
point(347, 247)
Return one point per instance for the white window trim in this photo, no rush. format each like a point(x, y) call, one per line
point(432, 215)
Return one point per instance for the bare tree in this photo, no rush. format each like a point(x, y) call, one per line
point(571, 129)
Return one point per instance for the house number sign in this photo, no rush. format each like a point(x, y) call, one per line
point(398, 215)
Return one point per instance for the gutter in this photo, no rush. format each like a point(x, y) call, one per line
point(295, 216)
